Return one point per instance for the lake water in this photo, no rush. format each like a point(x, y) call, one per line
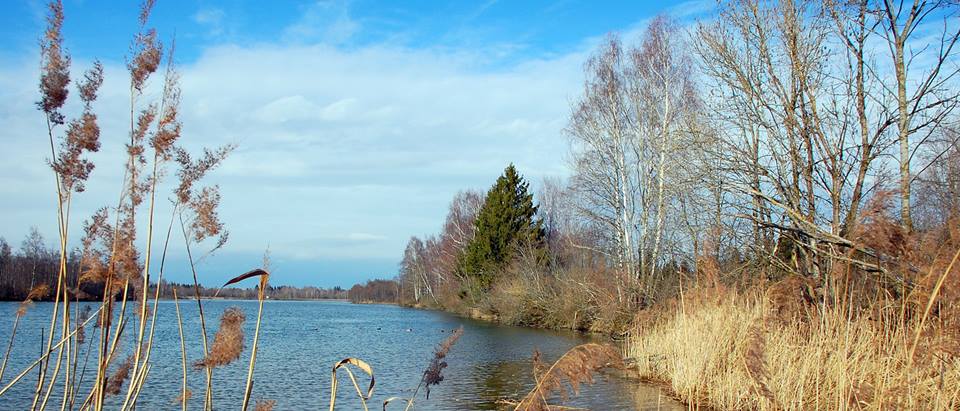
point(301, 340)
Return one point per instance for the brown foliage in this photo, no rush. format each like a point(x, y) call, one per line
point(55, 66)
point(82, 135)
point(575, 367)
point(146, 50)
point(94, 258)
point(228, 342)
point(756, 365)
point(791, 297)
point(115, 381)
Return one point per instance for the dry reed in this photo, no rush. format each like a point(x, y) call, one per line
point(723, 354)
point(574, 368)
point(36, 293)
point(227, 342)
point(362, 366)
point(120, 375)
point(265, 405)
point(434, 373)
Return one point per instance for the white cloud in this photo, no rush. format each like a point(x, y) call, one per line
point(370, 143)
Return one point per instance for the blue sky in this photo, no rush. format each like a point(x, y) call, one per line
point(356, 122)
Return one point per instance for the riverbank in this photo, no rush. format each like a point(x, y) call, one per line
point(758, 350)
point(774, 347)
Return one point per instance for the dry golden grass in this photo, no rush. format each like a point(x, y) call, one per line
point(726, 352)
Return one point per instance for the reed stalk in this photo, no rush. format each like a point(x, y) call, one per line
point(926, 312)
point(256, 339)
point(208, 397)
point(142, 323)
point(13, 334)
point(61, 228)
point(363, 366)
point(156, 301)
point(43, 356)
point(183, 351)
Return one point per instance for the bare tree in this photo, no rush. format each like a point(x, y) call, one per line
point(925, 93)
point(628, 131)
point(605, 166)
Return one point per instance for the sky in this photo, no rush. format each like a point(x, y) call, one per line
point(355, 122)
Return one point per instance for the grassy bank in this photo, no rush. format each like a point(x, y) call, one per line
point(748, 351)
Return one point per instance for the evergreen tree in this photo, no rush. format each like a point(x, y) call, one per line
point(506, 221)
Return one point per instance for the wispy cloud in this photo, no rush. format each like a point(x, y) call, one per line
point(323, 21)
point(212, 19)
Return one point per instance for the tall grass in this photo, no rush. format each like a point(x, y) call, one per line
point(729, 351)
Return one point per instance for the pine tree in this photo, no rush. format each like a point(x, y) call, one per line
point(506, 221)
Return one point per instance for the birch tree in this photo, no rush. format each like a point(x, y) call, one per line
point(628, 129)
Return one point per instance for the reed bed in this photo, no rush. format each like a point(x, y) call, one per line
point(728, 351)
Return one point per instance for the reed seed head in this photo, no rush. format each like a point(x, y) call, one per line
point(55, 66)
point(433, 375)
point(265, 405)
point(228, 341)
point(115, 381)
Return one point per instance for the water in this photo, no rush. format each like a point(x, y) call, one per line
point(301, 340)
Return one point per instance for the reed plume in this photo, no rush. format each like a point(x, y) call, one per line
point(433, 375)
point(146, 50)
point(265, 405)
point(55, 66)
point(183, 397)
point(82, 136)
point(261, 289)
point(36, 293)
point(227, 342)
point(115, 381)
point(575, 367)
point(81, 319)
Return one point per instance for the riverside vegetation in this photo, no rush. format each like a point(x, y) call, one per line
point(766, 208)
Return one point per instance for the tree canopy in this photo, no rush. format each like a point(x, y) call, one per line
point(506, 221)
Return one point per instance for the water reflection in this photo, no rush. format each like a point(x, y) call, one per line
point(300, 341)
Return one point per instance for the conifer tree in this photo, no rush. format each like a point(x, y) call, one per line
point(506, 221)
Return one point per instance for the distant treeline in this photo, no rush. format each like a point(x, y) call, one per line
point(375, 291)
point(284, 292)
point(34, 264)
